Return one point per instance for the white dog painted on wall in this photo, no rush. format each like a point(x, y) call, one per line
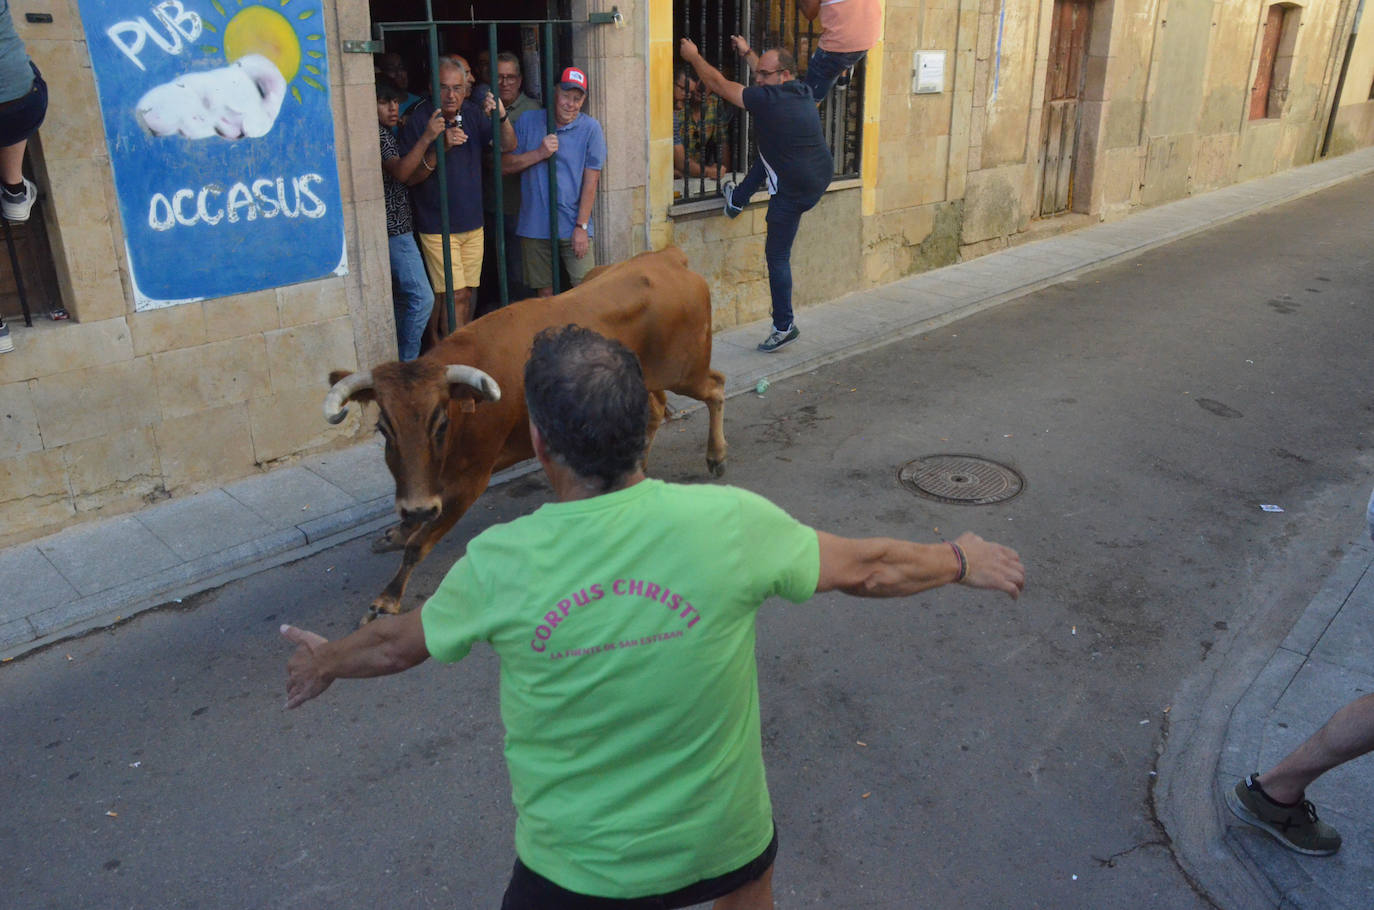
point(234, 101)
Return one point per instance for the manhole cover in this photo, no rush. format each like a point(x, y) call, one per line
point(963, 479)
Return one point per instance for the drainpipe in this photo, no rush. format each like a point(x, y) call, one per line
point(1340, 81)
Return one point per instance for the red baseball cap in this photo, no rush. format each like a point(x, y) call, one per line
point(573, 78)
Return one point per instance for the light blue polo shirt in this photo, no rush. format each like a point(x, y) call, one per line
point(581, 146)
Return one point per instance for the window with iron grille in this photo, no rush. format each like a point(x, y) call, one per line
point(716, 137)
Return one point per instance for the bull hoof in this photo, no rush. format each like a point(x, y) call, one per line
point(391, 540)
point(717, 468)
point(379, 608)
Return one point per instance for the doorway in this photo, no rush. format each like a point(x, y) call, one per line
point(1064, 80)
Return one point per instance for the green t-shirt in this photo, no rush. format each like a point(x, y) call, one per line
point(625, 628)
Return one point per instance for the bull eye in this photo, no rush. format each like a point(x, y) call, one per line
point(440, 428)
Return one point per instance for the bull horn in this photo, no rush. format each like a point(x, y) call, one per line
point(335, 403)
point(471, 376)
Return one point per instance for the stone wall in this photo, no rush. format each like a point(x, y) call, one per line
point(116, 408)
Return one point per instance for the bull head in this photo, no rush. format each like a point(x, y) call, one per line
point(359, 385)
point(414, 399)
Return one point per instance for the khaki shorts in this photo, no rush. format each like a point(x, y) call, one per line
point(539, 262)
point(465, 251)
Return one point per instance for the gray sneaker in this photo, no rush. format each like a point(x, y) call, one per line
point(6, 342)
point(727, 189)
point(1296, 827)
point(777, 338)
point(17, 208)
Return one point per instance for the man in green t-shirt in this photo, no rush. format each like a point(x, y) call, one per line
point(623, 614)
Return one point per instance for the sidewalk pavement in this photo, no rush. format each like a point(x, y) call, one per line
point(90, 575)
point(1326, 661)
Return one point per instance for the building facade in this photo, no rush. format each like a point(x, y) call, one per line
point(199, 344)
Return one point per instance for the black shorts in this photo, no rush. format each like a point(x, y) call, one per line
point(21, 117)
point(528, 890)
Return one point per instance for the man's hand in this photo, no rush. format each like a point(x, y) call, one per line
point(454, 136)
point(304, 679)
point(550, 145)
point(580, 242)
point(991, 566)
point(434, 127)
point(741, 45)
point(489, 104)
point(688, 50)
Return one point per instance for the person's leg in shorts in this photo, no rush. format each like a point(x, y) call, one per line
point(465, 256)
point(18, 122)
point(538, 265)
point(750, 887)
point(411, 295)
point(577, 268)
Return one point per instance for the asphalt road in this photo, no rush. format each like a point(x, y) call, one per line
point(953, 749)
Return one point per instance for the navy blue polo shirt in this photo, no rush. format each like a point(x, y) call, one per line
point(788, 131)
point(464, 163)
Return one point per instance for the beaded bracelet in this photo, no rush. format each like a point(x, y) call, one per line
point(963, 561)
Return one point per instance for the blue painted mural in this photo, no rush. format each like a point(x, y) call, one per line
point(221, 139)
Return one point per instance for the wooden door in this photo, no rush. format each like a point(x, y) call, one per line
point(1264, 74)
point(1063, 91)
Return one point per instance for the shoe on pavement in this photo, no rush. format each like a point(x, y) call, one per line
point(6, 342)
point(727, 189)
point(777, 338)
point(1296, 827)
point(16, 208)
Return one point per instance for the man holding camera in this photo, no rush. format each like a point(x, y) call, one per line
point(467, 131)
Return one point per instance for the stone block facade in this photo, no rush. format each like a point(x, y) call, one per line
point(118, 407)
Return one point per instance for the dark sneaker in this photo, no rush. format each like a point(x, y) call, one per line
point(777, 338)
point(6, 342)
point(1296, 827)
point(16, 208)
point(727, 190)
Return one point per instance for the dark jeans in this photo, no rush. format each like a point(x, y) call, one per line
point(821, 74)
point(784, 217)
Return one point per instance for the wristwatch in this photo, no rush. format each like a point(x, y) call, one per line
point(585, 225)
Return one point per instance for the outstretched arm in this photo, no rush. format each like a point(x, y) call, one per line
point(389, 645)
point(711, 77)
point(884, 567)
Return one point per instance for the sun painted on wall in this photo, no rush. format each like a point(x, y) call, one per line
point(263, 30)
point(208, 151)
point(263, 50)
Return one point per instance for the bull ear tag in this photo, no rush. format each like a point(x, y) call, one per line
point(467, 406)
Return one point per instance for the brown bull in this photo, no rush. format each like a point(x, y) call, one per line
point(457, 414)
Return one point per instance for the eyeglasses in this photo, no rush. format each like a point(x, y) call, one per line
point(505, 78)
point(768, 72)
point(451, 89)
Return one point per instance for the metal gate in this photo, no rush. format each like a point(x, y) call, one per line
point(543, 31)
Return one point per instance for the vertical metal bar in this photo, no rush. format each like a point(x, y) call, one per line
point(699, 152)
point(721, 43)
point(18, 278)
point(441, 165)
point(498, 180)
point(551, 119)
point(746, 17)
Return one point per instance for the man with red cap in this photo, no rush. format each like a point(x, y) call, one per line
point(578, 150)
